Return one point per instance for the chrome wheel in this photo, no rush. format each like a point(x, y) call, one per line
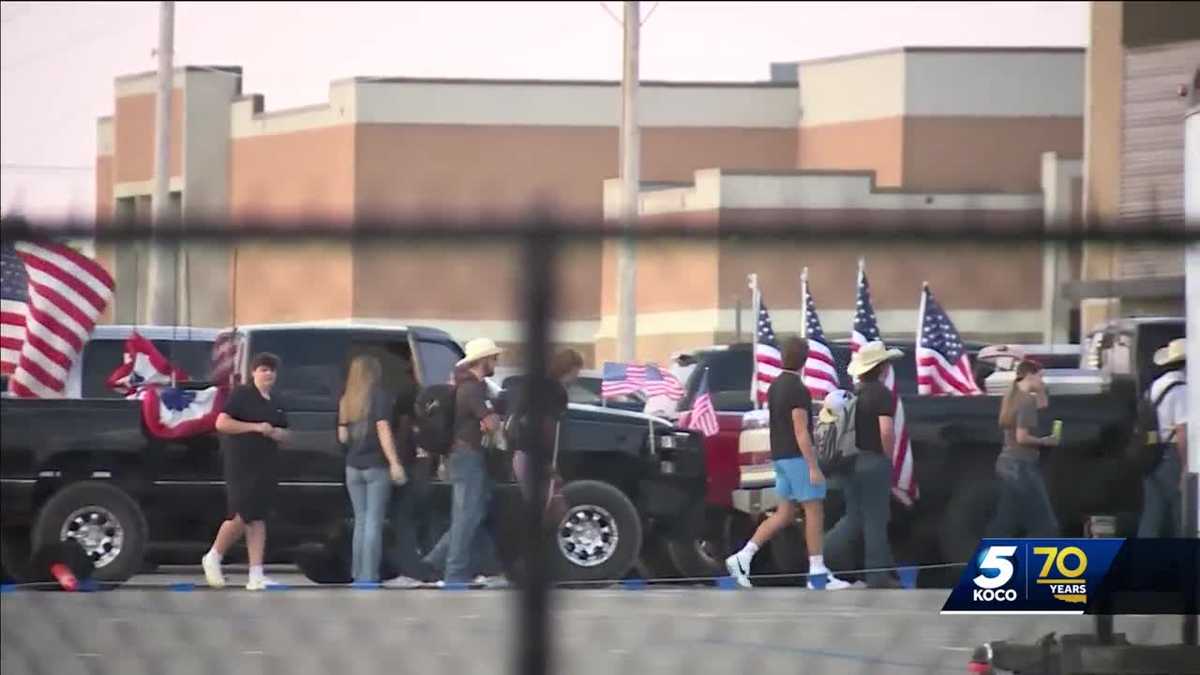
point(588, 535)
point(98, 531)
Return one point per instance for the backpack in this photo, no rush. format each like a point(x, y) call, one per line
point(836, 443)
point(433, 416)
point(1147, 446)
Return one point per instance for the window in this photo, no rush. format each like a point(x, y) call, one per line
point(102, 357)
point(312, 369)
point(436, 361)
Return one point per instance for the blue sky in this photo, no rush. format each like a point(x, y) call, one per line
point(58, 60)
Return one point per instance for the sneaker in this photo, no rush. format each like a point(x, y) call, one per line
point(261, 584)
point(739, 570)
point(498, 581)
point(212, 572)
point(402, 582)
point(832, 583)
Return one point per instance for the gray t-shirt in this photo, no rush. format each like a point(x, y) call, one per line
point(365, 451)
point(1026, 417)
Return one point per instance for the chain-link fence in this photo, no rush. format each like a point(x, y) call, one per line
point(630, 575)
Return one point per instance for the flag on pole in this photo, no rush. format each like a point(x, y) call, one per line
point(143, 365)
point(866, 329)
point(768, 360)
point(943, 365)
point(224, 359)
point(627, 378)
point(820, 370)
point(50, 298)
point(704, 415)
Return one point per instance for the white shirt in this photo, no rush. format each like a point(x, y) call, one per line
point(1172, 412)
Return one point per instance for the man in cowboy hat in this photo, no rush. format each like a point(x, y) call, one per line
point(867, 489)
point(1161, 487)
point(467, 547)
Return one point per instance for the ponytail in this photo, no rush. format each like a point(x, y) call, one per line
point(1008, 407)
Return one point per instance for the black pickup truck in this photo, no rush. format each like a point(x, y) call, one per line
point(955, 442)
point(86, 469)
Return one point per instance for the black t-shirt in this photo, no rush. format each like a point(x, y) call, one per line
point(784, 395)
point(518, 412)
point(471, 406)
point(366, 451)
point(874, 401)
point(402, 421)
point(246, 404)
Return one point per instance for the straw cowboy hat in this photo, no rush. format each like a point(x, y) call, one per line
point(869, 356)
point(1172, 353)
point(478, 349)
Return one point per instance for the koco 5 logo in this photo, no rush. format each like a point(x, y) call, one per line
point(995, 571)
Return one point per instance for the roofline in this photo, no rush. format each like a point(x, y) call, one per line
point(934, 50)
point(757, 84)
point(185, 69)
point(875, 188)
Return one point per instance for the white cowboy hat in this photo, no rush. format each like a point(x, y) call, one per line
point(477, 349)
point(869, 356)
point(1174, 352)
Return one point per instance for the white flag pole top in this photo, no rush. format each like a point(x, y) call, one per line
point(862, 269)
point(804, 304)
point(920, 323)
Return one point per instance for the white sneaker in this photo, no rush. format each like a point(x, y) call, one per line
point(212, 572)
point(498, 581)
point(832, 583)
point(402, 582)
point(739, 569)
point(261, 584)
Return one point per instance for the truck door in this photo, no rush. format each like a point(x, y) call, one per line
point(434, 355)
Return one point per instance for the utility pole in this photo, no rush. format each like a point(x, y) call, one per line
point(630, 182)
point(161, 275)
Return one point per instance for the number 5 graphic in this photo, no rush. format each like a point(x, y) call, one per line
point(996, 558)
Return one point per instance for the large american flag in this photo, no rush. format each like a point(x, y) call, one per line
point(51, 296)
point(704, 415)
point(224, 359)
point(866, 329)
point(629, 378)
point(820, 370)
point(943, 365)
point(768, 360)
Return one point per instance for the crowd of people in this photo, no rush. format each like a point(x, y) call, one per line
point(376, 429)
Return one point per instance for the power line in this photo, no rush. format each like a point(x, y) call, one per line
point(650, 13)
point(610, 13)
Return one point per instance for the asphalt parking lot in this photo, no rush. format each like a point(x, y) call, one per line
point(150, 628)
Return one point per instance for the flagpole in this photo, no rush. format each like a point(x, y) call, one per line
point(804, 303)
point(755, 308)
point(920, 330)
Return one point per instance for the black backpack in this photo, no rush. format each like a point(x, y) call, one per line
point(1147, 445)
point(433, 416)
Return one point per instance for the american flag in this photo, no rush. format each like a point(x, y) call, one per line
point(768, 360)
point(820, 370)
point(704, 415)
point(224, 359)
point(943, 365)
point(866, 329)
point(52, 296)
point(628, 378)
point(143, 366)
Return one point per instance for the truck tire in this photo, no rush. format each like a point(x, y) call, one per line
point(966, 519)
point(717, 534)
point(789, 551)
point(106, 522)
point(15, 555)
point(600, 535)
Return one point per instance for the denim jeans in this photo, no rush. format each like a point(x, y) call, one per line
point(867, 491)
point(467, 547)
point(409, 504)
point(1024, 508)
point(369, 492)
point(1161, 499)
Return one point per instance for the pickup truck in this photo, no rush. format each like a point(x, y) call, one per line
point(955, 442)
point(86, 469)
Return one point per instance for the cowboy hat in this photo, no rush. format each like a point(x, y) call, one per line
point(1174, 352)
point(478, 349)
point(870, 355)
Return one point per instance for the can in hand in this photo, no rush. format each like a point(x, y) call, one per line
point(1056, 430)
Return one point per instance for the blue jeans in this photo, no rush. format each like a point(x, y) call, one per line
point(369, 492)
point(868, 493)
point(467, 547)
point(1161, 499)
point(1024, 502)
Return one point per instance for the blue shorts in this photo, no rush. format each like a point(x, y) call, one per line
point(791, 481)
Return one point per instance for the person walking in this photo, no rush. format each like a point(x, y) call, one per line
point(372, 463)
point(1161, 488)
point(468, 545)
point(798, 479)
point(867, 488)
point(253, 424)
point(564, 369)
point(1024, 501)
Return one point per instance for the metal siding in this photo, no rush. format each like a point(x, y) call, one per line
point(1152, 148)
